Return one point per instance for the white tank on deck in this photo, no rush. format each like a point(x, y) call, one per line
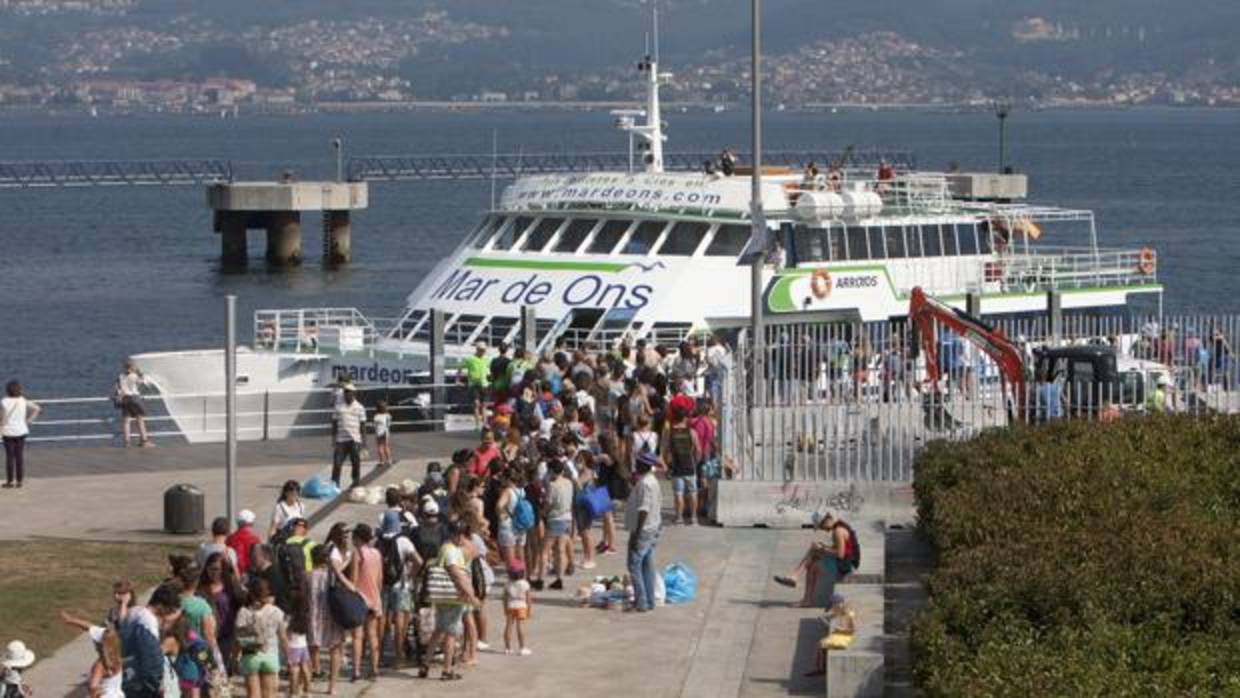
point(819, 205)
point(861, 204)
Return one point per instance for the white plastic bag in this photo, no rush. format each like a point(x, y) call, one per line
point(660, 590)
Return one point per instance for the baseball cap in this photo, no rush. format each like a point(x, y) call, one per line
point(429, 506)
point(245, 516)
point(296, 521)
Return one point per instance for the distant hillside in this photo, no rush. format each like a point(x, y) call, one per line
point(441, 48)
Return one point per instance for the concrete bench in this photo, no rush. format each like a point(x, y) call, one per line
point(857, 672)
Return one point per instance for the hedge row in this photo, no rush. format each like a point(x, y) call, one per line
point(1083, 559)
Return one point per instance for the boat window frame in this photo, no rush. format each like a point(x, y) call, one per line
point(848, 242)
point(898, 232)
point(553, 247)
point(870, 232)
point(588, 245)
point(669, 232)
point(947, 231)
point(714, 235)
point(623, 247)
point(926, 248)
point(482, 235)
point(972, 249)
point(989, 237)
point(912, 233)
point(529, 233)
point(836, 246)
point(509, 224)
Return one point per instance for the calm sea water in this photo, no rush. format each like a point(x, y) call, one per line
point(91, 275)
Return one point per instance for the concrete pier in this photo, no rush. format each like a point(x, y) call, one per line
point(276, 207)
point(337, 238)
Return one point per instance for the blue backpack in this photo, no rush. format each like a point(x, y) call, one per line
point(522, 514)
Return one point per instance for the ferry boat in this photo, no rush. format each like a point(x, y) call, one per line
point(658, 254)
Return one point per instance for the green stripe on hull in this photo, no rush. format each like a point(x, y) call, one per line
point(543, 265)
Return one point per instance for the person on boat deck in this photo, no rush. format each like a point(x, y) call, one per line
point(776, 257)
point(886, 173)
point(813, 179)
point(727, 162)
point(708, 167)
point(835, 178)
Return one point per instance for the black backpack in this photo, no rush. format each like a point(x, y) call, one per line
point(291, 561)
point(393, 566)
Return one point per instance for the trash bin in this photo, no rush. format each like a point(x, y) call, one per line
point(184, 509)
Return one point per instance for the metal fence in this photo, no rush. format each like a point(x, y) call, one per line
point(853, 401)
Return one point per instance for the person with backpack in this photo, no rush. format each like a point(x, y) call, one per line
point(683, 455)
point(400, 559)
point(837, 557)
point(515, 516)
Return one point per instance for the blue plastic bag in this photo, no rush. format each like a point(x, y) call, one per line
point(680, 582)
point(320, 487)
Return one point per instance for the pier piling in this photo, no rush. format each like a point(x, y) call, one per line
point(276, 207)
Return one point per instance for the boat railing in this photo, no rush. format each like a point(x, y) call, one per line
point(906, 193)
point(1071, 268)
point(315, 330)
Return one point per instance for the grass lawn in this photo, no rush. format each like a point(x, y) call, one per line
point(48, 576)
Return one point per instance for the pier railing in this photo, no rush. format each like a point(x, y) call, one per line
point(267, 414)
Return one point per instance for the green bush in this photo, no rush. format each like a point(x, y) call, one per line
point(1083, 559)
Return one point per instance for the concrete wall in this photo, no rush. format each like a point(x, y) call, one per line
point(288, 196)
point(790, 504)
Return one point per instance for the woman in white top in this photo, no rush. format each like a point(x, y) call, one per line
point(129, 400)
point(17, 414)
point(288, 507)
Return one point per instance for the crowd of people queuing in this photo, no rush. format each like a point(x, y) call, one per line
point(567, 441)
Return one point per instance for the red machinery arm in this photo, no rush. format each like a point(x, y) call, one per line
point(924, 311)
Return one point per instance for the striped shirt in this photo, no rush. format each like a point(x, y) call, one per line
point(349, 418)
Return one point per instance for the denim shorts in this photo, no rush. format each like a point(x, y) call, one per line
point(508, 536)
point(684, 485)
point(559, 527)
point(397, 600)
point(450, 619)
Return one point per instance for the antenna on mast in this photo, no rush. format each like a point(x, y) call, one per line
point(651, 132)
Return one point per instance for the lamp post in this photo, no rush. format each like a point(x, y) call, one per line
point(1003, 108)
point(757, 215)
point(338, 146)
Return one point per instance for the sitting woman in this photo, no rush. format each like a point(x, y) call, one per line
point(833, 557)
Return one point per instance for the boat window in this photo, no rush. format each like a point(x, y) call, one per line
point(930, 240)
point(809, 244)
point(643, 239)
point(574, 234)
point(497, 331)
point(538, 239)
point(835, 244)
point(857, 247)
point(684, 239)
point(968, 238)
point(459, 330)
point(949, 240)
point(876, 242)
point(895, 242)
point(983, 237)
point(728, 241)
point(485, 230)
point(912, 241)
point(511, 232)
point(606, 238)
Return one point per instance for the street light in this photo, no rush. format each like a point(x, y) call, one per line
point(1002, 107)
point(338, 146)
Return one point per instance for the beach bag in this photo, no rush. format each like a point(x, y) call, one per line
point(348, 608)
point(522, 514)
point(440, 588)
point(680, 582)
point(597, 501)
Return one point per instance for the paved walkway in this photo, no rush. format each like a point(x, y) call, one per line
point(741, 637)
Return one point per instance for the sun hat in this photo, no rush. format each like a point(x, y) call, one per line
point(245, 516)
point(17, 656)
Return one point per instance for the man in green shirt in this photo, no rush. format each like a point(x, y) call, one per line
point(476, 374)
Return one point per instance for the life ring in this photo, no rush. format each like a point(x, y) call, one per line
point(1146, 261)
point(820, 284)
point(992, 271)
